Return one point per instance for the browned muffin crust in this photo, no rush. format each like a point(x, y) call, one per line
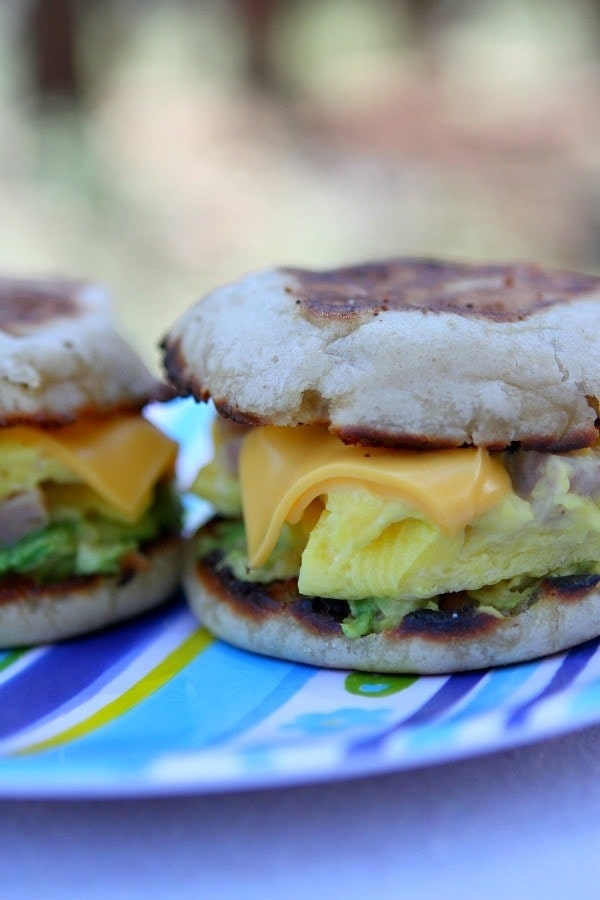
point(274, 620)
point(403, 353)
point(506, 293)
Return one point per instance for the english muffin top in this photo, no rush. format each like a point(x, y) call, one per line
point(402, 353)
point(61, 354)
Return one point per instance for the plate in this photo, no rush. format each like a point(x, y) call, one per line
point(158, 706)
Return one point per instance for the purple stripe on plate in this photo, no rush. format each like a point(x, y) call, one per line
point(68, 668)
point(572, 665)
point(452, 691)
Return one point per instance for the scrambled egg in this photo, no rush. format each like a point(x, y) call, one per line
point(217, 481)
point(24, 468)
point(363, 546)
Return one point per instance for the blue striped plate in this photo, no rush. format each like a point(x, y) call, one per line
point(159, 706)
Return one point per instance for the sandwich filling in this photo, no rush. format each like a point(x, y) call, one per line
point(84, 498)
point(390, 532)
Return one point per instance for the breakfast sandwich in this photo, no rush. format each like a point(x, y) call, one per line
point(89, 517)
point(406, 474)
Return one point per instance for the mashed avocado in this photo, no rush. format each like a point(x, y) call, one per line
point(386, 559)
point(22, 468)
point(82, 542)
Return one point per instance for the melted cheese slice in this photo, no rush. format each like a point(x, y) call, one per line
point(282, 470)
point(119, 457)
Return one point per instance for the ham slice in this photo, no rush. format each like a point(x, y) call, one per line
point(21, 514)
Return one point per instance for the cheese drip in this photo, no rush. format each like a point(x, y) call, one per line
point(120, 457)
point(283, 470)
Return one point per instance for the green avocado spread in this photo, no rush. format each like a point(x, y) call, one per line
point(82, 542)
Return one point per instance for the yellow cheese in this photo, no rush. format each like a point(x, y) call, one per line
point(119, 457)
point(282, 470)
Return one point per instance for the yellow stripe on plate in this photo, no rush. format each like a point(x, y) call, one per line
point(196, 643)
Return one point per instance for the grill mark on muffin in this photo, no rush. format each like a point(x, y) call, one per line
point(250, 599)
point(445, 624)
point(575, 440)
point(21, 587)
point(372, 437)
point(505, 293)
point(175, 369)
point(257, 602)
point(26, 306)
point(320, 615)
point(228, 411)
point(569, 588)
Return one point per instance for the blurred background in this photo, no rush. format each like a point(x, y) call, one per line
point(165, 147)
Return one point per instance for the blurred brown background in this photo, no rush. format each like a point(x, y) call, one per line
point(164, 147)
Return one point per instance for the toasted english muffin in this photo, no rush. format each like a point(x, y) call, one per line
point(475, 540)
point(34, 613)
point(275, 620)
point(61, 355)
point(402, 353)
point(89, 515)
